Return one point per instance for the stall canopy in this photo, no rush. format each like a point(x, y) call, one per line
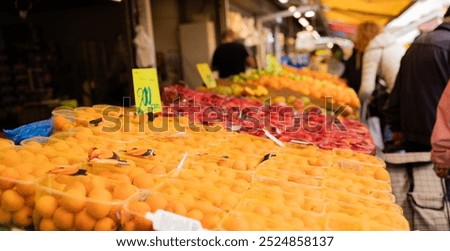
point(344, 16)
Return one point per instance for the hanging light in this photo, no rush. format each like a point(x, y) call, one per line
point(310, 13)
point(303, 22)
point(283, 1)
point(292, 8)
point(297, 14)
point(279, 20)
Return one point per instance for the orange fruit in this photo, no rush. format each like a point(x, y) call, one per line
point(5, 217)
point(23, 217)
point(157, 201)
point(26, 155)
point(26, 186)
point(59, 122)
point(11, 201)
point(237, 223)
point(63, 219)
point(47, 225)
point(187, 200)
point(210, 221)
point(213, 196)
point(158, 170)
point(138, 209)
point(46, 206)
point(195, 214)
point(24, 167)
point(33, 144)
point(11, 158)
point(61, 146)
point(240, 165)
point(73, 200)
point(84, 222)
point(123, 191)
point(229, 201)
point(59, 161)
point(144, 181)
point(30, 201)
point(177, 207)
point(93, 183)
point(76, 185)
point(9, 174)
point(135, 172)
point(382, 174)
point(129, 226)
point(121, 178)
point(105, 224)
point(101, 205)
point(262, 210)
point(116, 208)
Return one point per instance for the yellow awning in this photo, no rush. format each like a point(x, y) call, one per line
point(350, 13)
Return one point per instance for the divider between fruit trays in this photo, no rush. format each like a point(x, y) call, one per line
point(324, 184)
point(359, 157)
point(369, 188)
point(369, 181)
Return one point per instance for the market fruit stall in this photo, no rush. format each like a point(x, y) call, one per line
point(89, 177)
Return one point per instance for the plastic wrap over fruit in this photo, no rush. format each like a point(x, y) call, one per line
point(39, 128)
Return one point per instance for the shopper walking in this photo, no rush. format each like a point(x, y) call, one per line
point(381, 63)
point(381, 60)
point(423, 75)
point(411, 113)
point(231, 57)
point(353, 66)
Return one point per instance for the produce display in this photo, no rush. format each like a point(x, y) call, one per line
point(284, 122)
point(5, 143)
point(304, 82)
point(225, 180)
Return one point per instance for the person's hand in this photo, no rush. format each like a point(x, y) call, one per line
point(441, 171)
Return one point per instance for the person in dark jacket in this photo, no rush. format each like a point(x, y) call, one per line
point(231, 57)
point(424, 72)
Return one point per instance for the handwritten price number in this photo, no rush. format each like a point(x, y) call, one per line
point(299, 241)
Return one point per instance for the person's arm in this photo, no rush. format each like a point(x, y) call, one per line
point(370, 64)
point(440, 139)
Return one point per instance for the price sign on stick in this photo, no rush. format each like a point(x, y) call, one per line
point(205, 73)
point(146, 90)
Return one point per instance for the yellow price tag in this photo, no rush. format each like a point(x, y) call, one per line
point(146, 90)
point(205, 73)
